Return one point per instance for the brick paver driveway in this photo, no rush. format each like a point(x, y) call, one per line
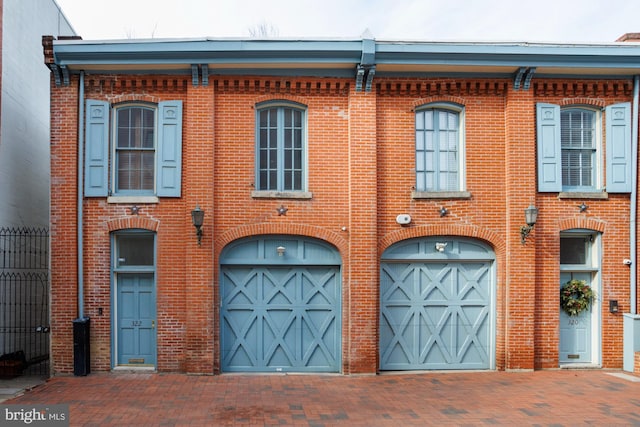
point(564, 397)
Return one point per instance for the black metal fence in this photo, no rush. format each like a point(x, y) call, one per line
point(24, 301)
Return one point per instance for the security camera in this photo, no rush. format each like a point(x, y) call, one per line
point(403, 219)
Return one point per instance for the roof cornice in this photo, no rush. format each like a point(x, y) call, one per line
point(362, 58)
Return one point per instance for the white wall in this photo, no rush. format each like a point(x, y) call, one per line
point(24, 119)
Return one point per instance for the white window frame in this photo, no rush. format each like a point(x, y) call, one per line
point(597, 173)
point(114, 149)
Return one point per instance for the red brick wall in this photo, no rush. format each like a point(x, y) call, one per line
point(610, 217)
point(361, 173)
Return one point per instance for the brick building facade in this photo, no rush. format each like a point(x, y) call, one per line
point(364, 204)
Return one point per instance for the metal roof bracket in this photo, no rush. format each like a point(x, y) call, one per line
point(518, 78)
point(528, 77)
point(194, 75)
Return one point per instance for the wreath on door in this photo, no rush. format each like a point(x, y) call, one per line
point(575, 297)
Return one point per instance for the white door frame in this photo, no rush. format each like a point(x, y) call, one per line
point(592, 266)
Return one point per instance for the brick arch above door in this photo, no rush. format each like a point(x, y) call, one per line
point(489, 236)
point(581, 223)
point(127, 222)
point(336, 238)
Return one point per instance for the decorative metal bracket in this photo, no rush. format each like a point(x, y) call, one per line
point(523, 78)
point(200, 72)
point(359, 78)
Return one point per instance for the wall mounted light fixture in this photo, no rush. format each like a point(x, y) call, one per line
point(197, 217)
point(281, 250)
point(530, 217)
point(443, 211)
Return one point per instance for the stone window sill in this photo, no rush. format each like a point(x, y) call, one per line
point(588, 195)
point(132, 199)
point(440, 195)
point(281, 194)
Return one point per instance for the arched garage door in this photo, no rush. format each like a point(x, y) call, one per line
point(280, 305)
point(437, 305)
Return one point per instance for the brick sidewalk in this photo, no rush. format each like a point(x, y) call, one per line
point(565, 397)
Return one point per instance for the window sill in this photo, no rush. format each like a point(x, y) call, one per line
point(132, 199)
point(593, 195)
point(440, 195)
point(281, 194)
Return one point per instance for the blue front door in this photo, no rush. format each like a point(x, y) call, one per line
point(136, 305)
point(575, 331)
point(134, 299)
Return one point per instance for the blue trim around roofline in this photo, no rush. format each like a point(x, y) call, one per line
point(359, 59)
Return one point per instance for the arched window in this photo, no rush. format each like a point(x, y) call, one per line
point(439, 148)
point(281, 147)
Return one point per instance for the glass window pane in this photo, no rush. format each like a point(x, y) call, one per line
point(429, 141)
point(428, 119)
point(263, 162)
point(123, 117)
point(420, 120)
point(429, 161)
point(123, 138)
point(288, 160)
point(135, 249)
point(273, 118)
point(288, 139)
point(573, 250)
point(288, 119)
point(147, 138)
point(297, 177)
point(273, 179)
point(420, 162)
point(420, 135)
point(297, 139)
point(273, 160)
point(264, 182)
point(430, 181)
point(288, 177)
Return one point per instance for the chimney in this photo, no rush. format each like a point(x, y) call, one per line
point(629, 37)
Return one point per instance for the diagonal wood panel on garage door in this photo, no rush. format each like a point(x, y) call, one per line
point(435, 315)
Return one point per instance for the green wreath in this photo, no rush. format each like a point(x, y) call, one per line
point(575, 297)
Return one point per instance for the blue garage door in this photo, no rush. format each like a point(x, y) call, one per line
point(436, 305)
point(280, 306)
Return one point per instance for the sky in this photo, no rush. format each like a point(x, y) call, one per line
point(565, 21)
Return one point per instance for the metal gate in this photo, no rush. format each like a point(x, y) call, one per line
point(24, 302)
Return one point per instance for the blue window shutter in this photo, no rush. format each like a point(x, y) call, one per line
point(618, 117)
point(169, 155)
point(96, 163)
point(549, 148)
